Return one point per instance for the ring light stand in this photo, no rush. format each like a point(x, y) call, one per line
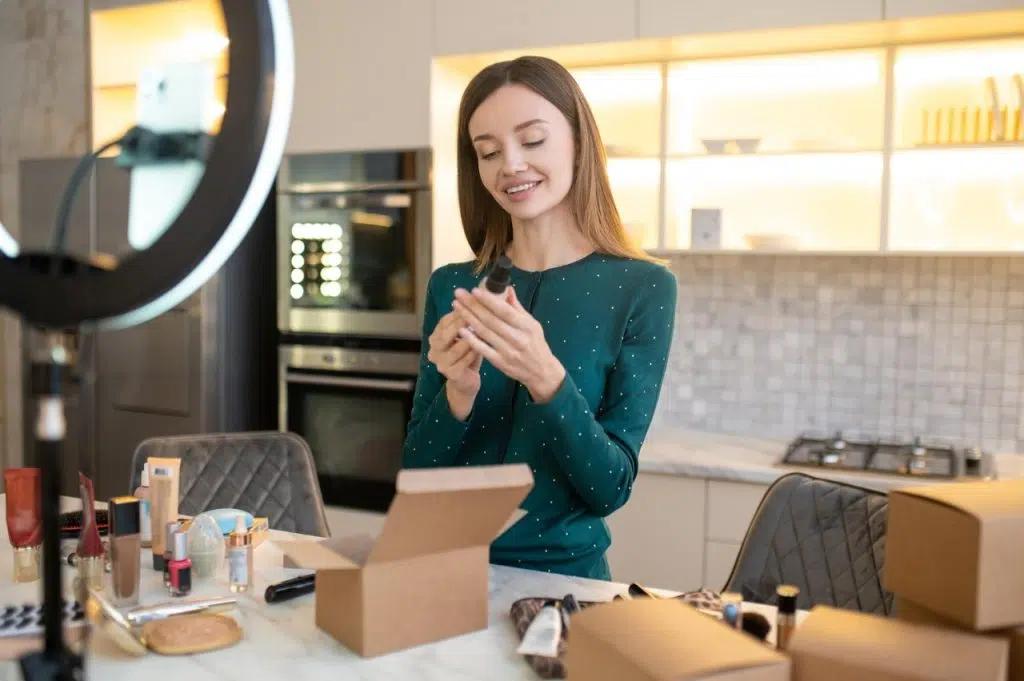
point(58, 293)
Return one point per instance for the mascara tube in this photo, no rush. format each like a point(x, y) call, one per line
point(290, 588)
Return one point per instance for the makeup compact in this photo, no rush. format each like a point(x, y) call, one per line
point(199, 631)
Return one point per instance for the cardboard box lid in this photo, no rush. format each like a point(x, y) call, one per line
point(985, 500)
point(334, 553)
point(665, 640)
point(444, 509)
point(900, 649)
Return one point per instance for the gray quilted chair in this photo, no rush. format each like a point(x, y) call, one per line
point(824, 537)
point(268, 474)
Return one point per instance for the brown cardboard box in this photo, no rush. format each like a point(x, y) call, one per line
point(912, 612)
point(843, 645)
point(425, 578)
point(954, 549)
point(648, 639)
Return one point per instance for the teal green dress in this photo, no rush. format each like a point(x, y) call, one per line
point(609, 320)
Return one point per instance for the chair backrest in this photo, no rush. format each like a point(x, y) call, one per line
point(825, 537)
point(268, 474)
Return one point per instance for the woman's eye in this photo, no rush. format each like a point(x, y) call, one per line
point(488, 156)
point(533, 144)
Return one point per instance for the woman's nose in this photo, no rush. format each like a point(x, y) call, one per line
point(513, 162)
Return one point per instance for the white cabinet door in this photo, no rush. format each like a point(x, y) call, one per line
point(902, 9)
point(362, 74)
point(731, 507)
point(719, 557)
point(658, 536)
point(468, 26)
point(661, 18)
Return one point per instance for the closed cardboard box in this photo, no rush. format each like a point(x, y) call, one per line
point(909, 611)
point(954, 548)
point(425, 578)
point(648, 639)
point(843, 645)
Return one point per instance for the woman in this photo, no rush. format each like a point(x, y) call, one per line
point(563, 370)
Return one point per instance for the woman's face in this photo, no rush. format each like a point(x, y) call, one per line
point(525, 151)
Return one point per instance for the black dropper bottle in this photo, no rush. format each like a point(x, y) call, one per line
point(500, 275)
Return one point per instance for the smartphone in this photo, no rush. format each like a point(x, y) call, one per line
point(177, 97)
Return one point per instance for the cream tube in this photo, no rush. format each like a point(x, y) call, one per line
point(164, 477)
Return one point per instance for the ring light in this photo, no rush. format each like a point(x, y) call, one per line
point(240, 170)
point(57, 293)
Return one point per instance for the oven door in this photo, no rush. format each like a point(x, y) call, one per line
point(355, 424)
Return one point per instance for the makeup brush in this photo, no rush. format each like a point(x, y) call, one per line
point(757, 625)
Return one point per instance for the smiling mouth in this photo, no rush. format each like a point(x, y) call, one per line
point(512, 191)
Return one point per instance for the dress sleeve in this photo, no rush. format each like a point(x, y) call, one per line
point(434, 436)
point(599, 452)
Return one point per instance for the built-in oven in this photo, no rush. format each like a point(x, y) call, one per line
point(354, 242)
point(352, 406)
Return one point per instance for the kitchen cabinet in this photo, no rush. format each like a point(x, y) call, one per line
point(658, 536)
point(904, 9)
point(681, 533)
point(468, 26)
point(362, 75)
point(667, 18)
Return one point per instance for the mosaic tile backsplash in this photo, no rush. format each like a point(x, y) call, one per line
point(875, 346)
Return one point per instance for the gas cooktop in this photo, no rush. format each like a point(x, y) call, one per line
point(914, 457)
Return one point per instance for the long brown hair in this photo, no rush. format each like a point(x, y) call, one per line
point(487, 226)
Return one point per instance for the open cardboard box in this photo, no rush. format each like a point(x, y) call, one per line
point(912, 612)
point(844, 645)
point(647, 639)
point(425, 578)
point(954, 549)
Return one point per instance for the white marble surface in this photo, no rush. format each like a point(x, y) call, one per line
point(696, 454)
point(282, 642)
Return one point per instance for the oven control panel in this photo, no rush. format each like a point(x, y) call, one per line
point(350, 360)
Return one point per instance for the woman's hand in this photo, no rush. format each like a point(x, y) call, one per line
point(507, 336)
point(456, 360)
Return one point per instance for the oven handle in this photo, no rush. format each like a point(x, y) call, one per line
point(392, 385)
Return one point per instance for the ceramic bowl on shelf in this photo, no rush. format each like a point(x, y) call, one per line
point(748, 145)
point(715, 146)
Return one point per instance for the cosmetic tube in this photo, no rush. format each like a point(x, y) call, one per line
point(180, 566)
point(164, 477)
point(125, 550)
point(24, 521)
point(786, 622)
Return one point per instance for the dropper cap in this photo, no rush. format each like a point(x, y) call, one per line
point(787, 595)
point(145, 475)
point(500, 275)
point(240, 535)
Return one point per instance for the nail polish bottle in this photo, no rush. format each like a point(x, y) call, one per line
point(180, 565)
point(165, 560)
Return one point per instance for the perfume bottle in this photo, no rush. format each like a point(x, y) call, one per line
point(240, 558)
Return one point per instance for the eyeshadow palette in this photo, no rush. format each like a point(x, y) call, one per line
point(27, 619)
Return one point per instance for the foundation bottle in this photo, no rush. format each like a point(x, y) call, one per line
point(125, 550)
point(142, 494)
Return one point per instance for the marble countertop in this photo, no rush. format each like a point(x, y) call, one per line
point(282, 642)
point(697, 454)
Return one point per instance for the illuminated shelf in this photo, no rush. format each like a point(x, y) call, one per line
point(819, 152)
point(808, 153)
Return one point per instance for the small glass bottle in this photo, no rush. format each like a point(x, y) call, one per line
point(240, 558)
point(145, 521)
point(180, 566)
point(785, 623)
